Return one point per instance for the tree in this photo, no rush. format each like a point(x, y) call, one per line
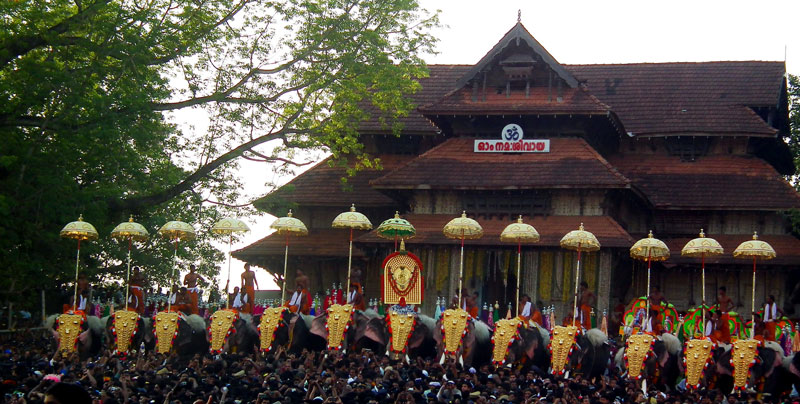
point(90, 87)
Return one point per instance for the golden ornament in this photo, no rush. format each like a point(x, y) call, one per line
point(166, 326)
point(504, 333)
point(454, 325)
point(69, 328)
point(338, 320)
point(221, 325)
point(270, 321)
point(560, 345)
point(124, 327)
point(637, 348)
point(402, 326)
point(743, 357)
point(698, 352)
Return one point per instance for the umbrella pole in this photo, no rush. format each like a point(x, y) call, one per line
point(230, 242)
point(285, 269)
point(175, 263)
point(647, 293)
point(395, 241)
point(703, 304)
point(128, 275)
point(577, 278)
point(350, 263)
point(753, 301)
point(519, 263)
point(461, 269)
point(77, 265)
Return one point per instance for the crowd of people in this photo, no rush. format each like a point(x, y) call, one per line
point(28, 371)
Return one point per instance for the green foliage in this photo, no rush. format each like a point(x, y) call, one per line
point(90, 90)
point(794, 142)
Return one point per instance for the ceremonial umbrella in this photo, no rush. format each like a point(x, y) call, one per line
point(462, 228)
point(700, 247)
point(519, 232)
point(229, 225)
point(396, 227)
point(129, 231)
point(755, 249)
point(288, 225)
point(176, 231)
point(78, 230)
point(649, 249)
point(579, 240)
point(354, 221)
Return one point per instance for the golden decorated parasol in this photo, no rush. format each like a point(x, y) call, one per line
point(754, 249)
point(462, 228)
point(649, 249)
point(702, 247)
point(129, 231)
point(354, 221)
point(396, 227)
point(519, 232)
point(579, 240)
point(229, 225)
point(176, 231)
point(288, 226)
point(78, 230)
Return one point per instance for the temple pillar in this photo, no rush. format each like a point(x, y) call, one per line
point(605, 263)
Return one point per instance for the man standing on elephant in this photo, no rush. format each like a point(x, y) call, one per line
point(585, 300)
point(249, 283)
point(724, 305)
point(137, 291)
point(190, 280)
point(771, 311)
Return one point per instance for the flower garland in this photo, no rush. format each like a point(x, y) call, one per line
point(411, 283)
point(693, 353)
point(272, 318)
point(131, 316)
point(407, 330)
point(222, 321)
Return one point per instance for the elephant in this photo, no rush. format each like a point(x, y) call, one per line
point(530, 349)
point(192, 336)
point(768, 373)
point(475, 348)
point(244, 339)
point(295, 334)
point(660, 369)
point(591, 354)
point(421, 342)
point(367, 330)
point(90, 339)
point(144, 334)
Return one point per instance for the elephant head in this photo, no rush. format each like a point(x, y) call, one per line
point(530, 349)
point(86, 334)
point(591, 354)
point(475, 346)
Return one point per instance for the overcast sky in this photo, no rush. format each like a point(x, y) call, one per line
point(590, 32)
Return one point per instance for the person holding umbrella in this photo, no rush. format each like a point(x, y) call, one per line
point(137, 291)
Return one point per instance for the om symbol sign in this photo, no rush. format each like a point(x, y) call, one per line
point(512, 132)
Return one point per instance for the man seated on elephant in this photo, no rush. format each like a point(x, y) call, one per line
point(298, 303)
point(657, 302)
point(760, 332)
point(585, 300)
point(654, 326)
point(137, 283)
point(771, 312)
point(180, 300)
point(718, 329)
point(356, 297)
point(525, 309)
point(238, 299)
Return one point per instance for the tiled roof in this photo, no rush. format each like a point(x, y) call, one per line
point(708, 97)
point(540, 100)
point(717, 181)
point(649, 98)
point(322, 185)
point(787, 250)
point(571, 162)
point(551, 229)
point(318, 243)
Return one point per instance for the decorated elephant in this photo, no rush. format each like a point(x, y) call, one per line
point(192, 337)
point(422, 342)
point(591, 354)
point(768, 374)
point(293, 333)
point(142, 333)
point(530, 349)
point(473, 348)
point(635, 314)
point(232, 332)
point(660, 366)
point(76, 333)
point(366, 329)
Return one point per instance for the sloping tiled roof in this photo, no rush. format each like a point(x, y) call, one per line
point(787, 250)
point(541, 100)
point(707, 97)
point(322, 185)
point(318, 243)
point(551, 229)
point(571, 162)
point(716, 181)
point(649, 98)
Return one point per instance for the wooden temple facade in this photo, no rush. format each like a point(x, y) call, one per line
point(672, 147)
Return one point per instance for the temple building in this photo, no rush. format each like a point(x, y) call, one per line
point(621, 148)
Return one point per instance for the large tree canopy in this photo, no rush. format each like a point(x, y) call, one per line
point(88, 88)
